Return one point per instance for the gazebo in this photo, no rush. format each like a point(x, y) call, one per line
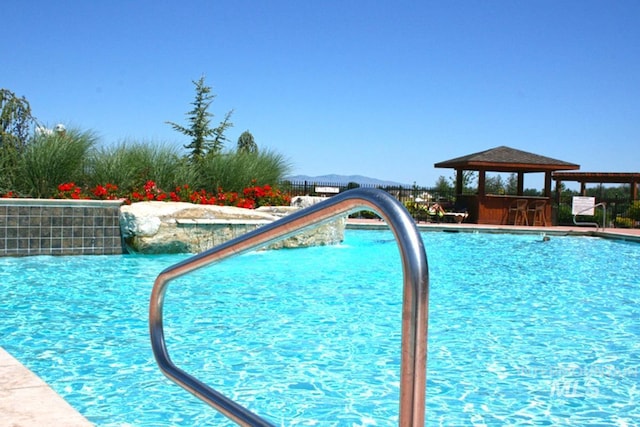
point(494, 208)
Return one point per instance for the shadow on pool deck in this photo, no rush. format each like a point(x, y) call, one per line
point(27, 401)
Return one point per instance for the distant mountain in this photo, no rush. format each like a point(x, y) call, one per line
point(344, 179)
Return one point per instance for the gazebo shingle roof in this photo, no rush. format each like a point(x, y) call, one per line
point(506, 159)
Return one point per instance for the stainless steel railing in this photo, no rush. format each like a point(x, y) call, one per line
point(603, 205)
point(414, 311)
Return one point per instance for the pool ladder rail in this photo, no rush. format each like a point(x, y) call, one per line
point(413, 362)
point(603, 205)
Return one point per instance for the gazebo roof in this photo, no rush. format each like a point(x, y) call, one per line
point(506, 159)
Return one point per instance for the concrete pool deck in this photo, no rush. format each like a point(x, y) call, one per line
point(27, 401)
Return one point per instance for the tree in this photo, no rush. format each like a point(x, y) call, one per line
point(246, 143)
point(512, 184)
point(468, 178)
point(15, 128)
point(494, 185)
point(205, 139)
point(443, 187)
point(15, 120)
point(219, 137)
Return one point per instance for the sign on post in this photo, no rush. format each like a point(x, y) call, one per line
point(583, 205)
point(328, 190)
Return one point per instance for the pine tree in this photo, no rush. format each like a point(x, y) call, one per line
point(246, 143)
point(205, 139)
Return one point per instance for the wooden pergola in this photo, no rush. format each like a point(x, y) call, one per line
point(633, 179)
point(494, 209)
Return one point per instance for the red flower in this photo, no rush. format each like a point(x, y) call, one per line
point(66, 187)
point(99, 191)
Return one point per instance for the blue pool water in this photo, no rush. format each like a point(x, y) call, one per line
point(521, 332)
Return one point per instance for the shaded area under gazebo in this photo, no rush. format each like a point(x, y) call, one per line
point(633, 179)
point(501, 209)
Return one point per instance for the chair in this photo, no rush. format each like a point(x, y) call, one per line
point(539, 213)
point(519, 208)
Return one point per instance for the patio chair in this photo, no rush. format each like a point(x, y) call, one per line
point(519, 209)
point(539, 210)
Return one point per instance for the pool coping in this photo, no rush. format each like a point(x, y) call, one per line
point(627, 234)
point(26, 400)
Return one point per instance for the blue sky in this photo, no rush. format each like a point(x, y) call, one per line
point(377, 88)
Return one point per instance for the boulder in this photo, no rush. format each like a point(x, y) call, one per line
point(179, 227)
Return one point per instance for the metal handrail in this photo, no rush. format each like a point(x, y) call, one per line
point(414, 308)
point(604, 216)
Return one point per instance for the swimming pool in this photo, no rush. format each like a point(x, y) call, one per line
point(521, 332)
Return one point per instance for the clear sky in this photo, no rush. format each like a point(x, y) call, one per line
point(377, 88)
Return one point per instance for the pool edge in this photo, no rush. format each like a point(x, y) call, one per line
point(26, 400)
point(631, 235)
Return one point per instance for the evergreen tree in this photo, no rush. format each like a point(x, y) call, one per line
point(246, 143)
point(204, 138)
point(219, 138)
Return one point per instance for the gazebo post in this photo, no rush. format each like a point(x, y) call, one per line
point(547, 184)
point(482, 175)
point(459, 179)
point(554, 212)
point(520, 190)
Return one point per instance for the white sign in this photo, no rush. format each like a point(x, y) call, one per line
point(583, 205)
point(334, 190)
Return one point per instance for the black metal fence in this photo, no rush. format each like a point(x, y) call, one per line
point(403, 194)
point(616, 210)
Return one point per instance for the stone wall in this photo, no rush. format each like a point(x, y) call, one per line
point(160, 227)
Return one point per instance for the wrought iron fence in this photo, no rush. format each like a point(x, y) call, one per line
point(415, 198)
point(402, 193)
point(617, 209)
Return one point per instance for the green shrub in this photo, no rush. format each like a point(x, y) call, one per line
point(131, 164)
point(49, 160)
point(235, 171)
point(565, 216)
point(622, 222)
point(634, 210)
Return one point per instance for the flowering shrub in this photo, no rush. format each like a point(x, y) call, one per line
point(148, 192)
point(70, 190)
point(106, 192)
point(266, 196)
point(250, 198)
point(634, 210)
